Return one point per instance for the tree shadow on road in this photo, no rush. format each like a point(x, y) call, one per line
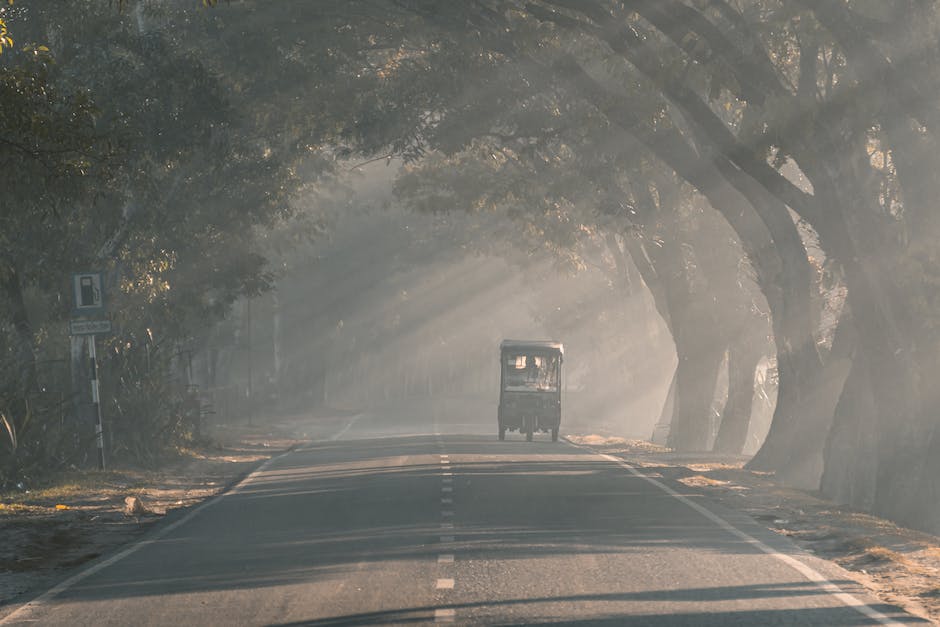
point(330, 509)
point(545, 611)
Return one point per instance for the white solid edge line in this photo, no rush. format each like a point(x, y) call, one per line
point(807, 571)
point(44, 598)
point(345, 429)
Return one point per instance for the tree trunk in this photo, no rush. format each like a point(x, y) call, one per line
point(770, 237)
point(743, 357)
point(696, 376)
point(24, 341)
point(851, 448)
point(928, 481)
point(663, 426)
point(798, 429)
point(700, 349)
point(794, 445)
point(901, 428)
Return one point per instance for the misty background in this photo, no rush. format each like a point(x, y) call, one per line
point(725, 211)
point(392, 308)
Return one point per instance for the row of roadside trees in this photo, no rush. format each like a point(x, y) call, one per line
point(808, 126)
point(764, 166)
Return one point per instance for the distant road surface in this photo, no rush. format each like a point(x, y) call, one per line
point(398, 520)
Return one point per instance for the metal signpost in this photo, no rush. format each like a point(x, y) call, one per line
point(88, 299)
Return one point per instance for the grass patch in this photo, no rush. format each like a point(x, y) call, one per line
point(883, 554)
point(72, 485)
point(7, 509)
point(633, 446)
point(696, 481)
point(867, 551)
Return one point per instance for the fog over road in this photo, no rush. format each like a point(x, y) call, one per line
point(445, 524)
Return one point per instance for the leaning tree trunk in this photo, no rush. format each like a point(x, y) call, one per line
point(793, 446)
point(743, 358)
point(901, 432)
point(888, 340)
point(696, 377)
point(693, 321)
point(794, 443)
point(700, 351)
point(851, 448)
point(848, 474)
point(770, 237)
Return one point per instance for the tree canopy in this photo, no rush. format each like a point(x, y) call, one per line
point(801, 136)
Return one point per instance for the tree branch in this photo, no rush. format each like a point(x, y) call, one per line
point(626, 42)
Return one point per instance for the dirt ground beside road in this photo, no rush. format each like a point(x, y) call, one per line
point(75, 517)
point(899, 566)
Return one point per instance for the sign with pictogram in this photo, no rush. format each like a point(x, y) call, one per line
point(88, 319)
point(87, 294)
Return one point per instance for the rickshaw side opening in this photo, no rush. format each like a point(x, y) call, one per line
point(530, 385)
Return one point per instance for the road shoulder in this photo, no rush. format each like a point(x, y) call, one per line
point(898, 566)
point(77, 517)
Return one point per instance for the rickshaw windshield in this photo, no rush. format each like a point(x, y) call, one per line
point(530, 373)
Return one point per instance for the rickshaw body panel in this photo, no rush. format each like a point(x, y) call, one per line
point(530, 401)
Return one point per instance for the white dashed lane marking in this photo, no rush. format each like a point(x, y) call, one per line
point(444, 616)
point(447, 477)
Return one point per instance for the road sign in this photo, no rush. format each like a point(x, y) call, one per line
point(89, 327)
point(87, 293)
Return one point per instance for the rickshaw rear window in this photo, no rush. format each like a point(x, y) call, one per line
point(530, 373)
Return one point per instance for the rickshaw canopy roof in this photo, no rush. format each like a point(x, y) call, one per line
point(529, 346)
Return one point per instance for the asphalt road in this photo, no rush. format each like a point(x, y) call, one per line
point(396, 519)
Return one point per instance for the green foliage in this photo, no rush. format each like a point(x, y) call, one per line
point(6, 41)
point(149, 413)
point(169, 149)
point(128, 156)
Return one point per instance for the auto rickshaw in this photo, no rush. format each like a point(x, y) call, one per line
point(530, 387)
